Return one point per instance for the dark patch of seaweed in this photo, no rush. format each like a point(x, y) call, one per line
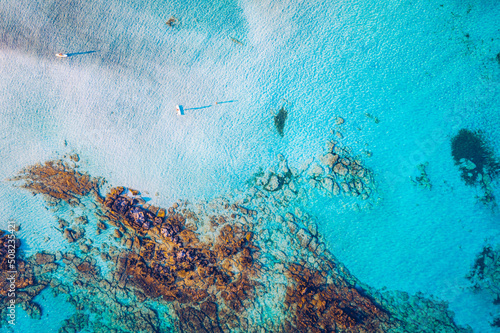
point(472, 146)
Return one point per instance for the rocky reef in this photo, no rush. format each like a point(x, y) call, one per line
point(340, 173)
point(335, 173)
point(246, 262)
point(485, 275)
point(171, 261)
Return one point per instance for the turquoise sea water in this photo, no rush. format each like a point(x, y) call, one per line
point(424, 69)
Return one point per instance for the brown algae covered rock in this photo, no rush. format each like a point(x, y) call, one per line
point(57, 180)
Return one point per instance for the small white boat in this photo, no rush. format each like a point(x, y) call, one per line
point(61, 55)
point(180, 110)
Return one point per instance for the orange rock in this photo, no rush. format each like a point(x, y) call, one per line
point(75, 157)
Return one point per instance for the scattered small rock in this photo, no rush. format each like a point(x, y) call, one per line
point(69, 235)
point(316, 170)
point(84, 248)
point(273, 184)
point(304, 237)
point(63, 224)
point(33, 310)
point(336, 189)
point(327, 184)
point(44, 258)
point(75, 157)
point(101, 225)
point(329, 159)
point(340, 169)
point(82, 220)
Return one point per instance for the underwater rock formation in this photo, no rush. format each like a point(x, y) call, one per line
point(344, 174)
point(279, 120)
point(247, 263)
point(22, 279)
point(173, 263)
point(485, 275)
point(336, 173)
point(422, 180)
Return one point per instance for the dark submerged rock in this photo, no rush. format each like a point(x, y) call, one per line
point(279, 120)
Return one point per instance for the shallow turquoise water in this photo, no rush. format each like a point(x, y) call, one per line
point(410, 64)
